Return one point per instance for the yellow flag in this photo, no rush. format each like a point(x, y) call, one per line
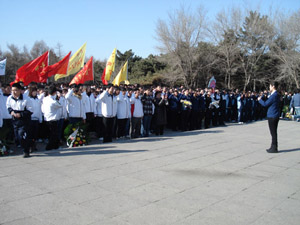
point(110, 65)
point(122, 75)
point(75, 64)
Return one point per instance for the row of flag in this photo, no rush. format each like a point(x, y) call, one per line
point(39, 71)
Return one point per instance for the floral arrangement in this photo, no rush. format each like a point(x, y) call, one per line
point(3, 149)
point(76, 135)
point(186, 104)
point(288, 115)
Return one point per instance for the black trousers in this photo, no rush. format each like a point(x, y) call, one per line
point(174, 118)
point(159, 129)
point(108, 124)
point(21, 133)
point(53, 135)
point(273, 124)
point(99, 126)
point(8, 129)
point(136, 123)
point(185, 119)
point(121, 127)
point(208, 117)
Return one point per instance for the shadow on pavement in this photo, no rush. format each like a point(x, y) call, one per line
point(84, 151)
point(289, 150)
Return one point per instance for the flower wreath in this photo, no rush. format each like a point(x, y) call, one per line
point(76, 135)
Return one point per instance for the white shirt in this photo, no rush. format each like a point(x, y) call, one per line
point(109, 105)
point(75, 105)
point(98, 107)
point(86, 103)
point(37, 109)
point(123, 111)
point(18, 105)
point(93, 103)
point(138, 106)
point(3, 110)
point(62, 112)
point(51, 108)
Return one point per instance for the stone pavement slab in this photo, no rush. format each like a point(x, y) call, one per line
point(222, 175)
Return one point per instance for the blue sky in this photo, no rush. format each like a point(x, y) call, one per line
point(104, 25)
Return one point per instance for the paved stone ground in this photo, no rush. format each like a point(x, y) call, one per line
point(218, 176)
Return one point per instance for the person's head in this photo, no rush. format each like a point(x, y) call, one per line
point(64, 91)
point(148, 91)
point(123, 91)
point(75, 88)
point(158, 94)
point(176, 93)
point(32, 92)
point(273, 86)
point(117, 90)
point(110, 89)
point(137, 92)
point(6, 89)
point(52, 90)
point(59, 93)
point(16, 90)
point(186, 92)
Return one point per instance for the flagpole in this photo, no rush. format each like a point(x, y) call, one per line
point(93, 71)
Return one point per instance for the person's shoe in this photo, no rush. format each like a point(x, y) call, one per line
point(273, 149)
point(26, 155)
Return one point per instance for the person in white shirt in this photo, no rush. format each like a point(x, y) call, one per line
point(36, 118)
point(89, 110)
point(6, 117)
point(50, 109)
point(75, 105)
point(123, 112)
point(20, 109)
point(99, 116)
point(62, 113)
point(136, 120)
point(109, 112)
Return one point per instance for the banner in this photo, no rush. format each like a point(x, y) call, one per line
point(30, 72)
point(75, 64)
point(110, 67)
point(212, 83)
point(122, 75)
point(86, 74)
point(2, 67)
point(60, 67)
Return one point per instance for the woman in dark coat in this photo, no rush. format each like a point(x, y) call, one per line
point(160, 112)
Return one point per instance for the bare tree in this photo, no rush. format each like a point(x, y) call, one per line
point(39, 48)
point(255, 36)
point(179, 38)
point(224, 32)
point(59, 51)
point(287, 48)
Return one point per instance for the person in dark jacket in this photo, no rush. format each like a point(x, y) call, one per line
point(195, 117)
point(186, 106)
point(20, 108)
point(160, 112)
point(174, 107)
point(273, 114)
point(208, 110)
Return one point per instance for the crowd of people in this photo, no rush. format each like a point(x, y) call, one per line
point(38, 113)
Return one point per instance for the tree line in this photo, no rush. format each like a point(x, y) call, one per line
point(242, 49)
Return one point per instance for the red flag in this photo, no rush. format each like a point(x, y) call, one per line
point(86, 74)
point(60, 67)
point(103, 77)
point(31, 70)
